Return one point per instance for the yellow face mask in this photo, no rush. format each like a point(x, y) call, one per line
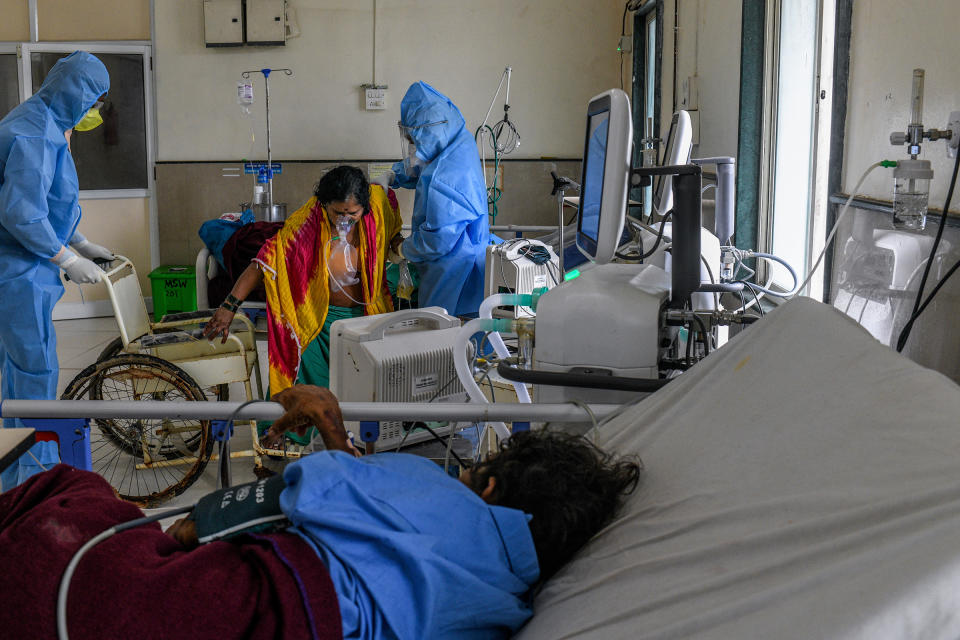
point(90, 121)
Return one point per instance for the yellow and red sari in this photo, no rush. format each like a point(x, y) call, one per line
point(294, 263)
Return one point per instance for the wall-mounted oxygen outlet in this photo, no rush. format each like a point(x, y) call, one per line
point(954, 141)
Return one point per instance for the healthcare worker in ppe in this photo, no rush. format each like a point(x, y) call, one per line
point(39, 212)
point(450, 233)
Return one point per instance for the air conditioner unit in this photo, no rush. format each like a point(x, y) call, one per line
point(404, 356)
point(520, 266)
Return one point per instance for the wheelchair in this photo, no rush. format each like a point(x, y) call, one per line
point(149, 461)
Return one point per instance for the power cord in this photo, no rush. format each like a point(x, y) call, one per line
point(656, 243)
point(537, 254)
point(917, 307)
point(97, 539)
point(438, 438)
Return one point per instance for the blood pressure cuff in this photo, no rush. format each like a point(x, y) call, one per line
point(245, 508)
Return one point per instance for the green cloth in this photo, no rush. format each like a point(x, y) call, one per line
point(315, 363)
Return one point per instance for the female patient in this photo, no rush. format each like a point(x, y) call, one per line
point(326, 263)
point(380, 546)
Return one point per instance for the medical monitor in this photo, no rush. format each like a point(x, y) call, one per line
point(676, 151)
point(606, 173)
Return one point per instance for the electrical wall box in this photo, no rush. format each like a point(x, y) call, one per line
point(625, 45)
point(223, 23)
point(375, 99)
point(266, 22)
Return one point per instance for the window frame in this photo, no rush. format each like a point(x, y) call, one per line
point(651, 13)
point(13, 48)
point(24, 51)
point(818, 191)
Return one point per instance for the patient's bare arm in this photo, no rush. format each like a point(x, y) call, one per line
point(308, 406)
point(219, 324)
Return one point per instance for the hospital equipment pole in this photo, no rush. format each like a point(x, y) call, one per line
point(560, 185)
point(382, 411)
point(266, 92)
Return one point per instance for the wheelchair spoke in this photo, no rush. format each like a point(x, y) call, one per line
point(146, 460)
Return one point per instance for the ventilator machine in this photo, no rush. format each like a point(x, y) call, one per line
point(646, 307)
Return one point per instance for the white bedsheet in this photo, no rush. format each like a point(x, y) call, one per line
point(802, 482)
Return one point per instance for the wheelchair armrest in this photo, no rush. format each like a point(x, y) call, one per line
point(200, 318)
point(186, 315)
point(176, 337)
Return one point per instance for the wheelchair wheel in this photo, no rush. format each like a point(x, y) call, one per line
point(114, 348)
point(220, 393)
point(151, 460)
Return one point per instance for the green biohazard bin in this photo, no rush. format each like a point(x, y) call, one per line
point(174, 289)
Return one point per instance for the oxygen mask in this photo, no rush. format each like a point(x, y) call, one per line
point(344, 225)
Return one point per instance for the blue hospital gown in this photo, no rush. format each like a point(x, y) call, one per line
point(413, 553)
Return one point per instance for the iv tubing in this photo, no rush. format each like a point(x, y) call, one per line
point(836, 225)
point(486, 312)
point(773, 258)
point(463, 366)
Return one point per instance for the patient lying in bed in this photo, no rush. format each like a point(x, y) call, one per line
point(383, 546)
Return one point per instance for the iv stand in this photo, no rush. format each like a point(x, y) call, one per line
point(266, 84)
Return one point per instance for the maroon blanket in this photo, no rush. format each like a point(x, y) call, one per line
point(141, 583)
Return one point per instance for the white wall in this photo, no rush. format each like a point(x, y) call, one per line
point(122, 225)
point(562, 52)
point(718, 72)
point(708, 52)
point(891, 38)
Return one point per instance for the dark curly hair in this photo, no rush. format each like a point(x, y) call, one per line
point(570, 487)
point(343, 183)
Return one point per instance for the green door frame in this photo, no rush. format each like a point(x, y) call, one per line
point(750, 137)
point(639, 89)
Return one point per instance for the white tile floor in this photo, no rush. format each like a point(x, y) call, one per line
point(79, 343)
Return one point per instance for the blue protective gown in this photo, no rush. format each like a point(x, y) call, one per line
point(412, 552)
point(39, 212)
point(450, 228)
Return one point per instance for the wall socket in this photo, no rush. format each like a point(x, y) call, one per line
point(375, 98)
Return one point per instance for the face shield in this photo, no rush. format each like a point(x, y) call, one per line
point(412, 163)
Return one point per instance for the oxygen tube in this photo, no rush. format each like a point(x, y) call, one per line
point(342, 252)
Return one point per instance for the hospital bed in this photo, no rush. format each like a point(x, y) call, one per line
point(801, 482)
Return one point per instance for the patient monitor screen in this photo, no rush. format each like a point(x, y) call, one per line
point(591, 195)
